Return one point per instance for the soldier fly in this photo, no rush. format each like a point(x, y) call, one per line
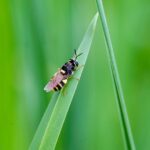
point(61, 77)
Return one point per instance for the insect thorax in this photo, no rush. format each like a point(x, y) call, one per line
point(69, 67)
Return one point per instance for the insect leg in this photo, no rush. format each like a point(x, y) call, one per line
point(64, 89)
point(72, 77)
point(79, 67)
point(76, 78)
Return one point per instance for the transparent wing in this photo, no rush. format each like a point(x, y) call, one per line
point(56, 79)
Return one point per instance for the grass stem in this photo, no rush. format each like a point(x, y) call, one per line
point(115, 75)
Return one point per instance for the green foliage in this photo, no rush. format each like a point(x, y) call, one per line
point(37, 37)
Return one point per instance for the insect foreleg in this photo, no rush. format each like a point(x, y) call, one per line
point(79, 67)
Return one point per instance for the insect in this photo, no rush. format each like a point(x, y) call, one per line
point(60, 78)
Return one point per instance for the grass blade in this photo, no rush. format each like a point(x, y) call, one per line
point(115, 75)
point(51, 125)
point(43, 124)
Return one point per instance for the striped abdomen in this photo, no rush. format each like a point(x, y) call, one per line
point(59, 86)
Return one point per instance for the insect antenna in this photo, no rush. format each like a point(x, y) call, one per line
point(76, 55)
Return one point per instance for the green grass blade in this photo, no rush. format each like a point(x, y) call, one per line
point(118, 89)
point(50, 127)
point(43, 124)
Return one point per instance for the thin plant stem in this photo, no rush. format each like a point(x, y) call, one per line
point(117, 85)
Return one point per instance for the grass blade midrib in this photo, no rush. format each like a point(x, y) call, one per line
point(115, 75)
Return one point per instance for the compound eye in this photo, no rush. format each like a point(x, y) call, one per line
point(76, 63)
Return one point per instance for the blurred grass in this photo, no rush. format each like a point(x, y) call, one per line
point(29, 33)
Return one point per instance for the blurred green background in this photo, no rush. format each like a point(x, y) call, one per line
point(38, 36)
